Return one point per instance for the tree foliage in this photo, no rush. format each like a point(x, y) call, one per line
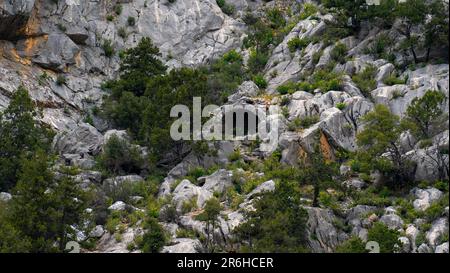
point(20, 136)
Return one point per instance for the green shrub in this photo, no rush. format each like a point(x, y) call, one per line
point(260, 81)
point(365, 80)
point(118, 9)
point(131, 21)
point(154, 238)
point(302, 123)
point(120, 157)
point(338, 53)
point(385, 237)
point(61, 80)
point(122, 33)
point(352, 245)
point(393, 80)
point(341, 105)
point(108, 48)
point(297, 44)
point(308, 10)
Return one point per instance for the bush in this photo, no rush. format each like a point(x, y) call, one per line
point(302, 123)
point(118, 9)
point(120, 157)
point(338, 53)
point(131, 21)
point(393, 80)
point(257, 61)
point(260, 81)
point(385, 237)
point(297, 44)
point(308, 10)
point(154, 238)
point(365, 80)
point(352, 245)
point(341, 105)
point(61, 80)
point(108, 48)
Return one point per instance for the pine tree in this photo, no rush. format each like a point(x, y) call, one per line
point(20, 135)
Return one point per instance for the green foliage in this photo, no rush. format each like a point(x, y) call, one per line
point(21, 135)
point(210, 216)
point(257, 61)
point(352, 245)
point(43, 208)
point(260, 81)
point(297, 44)
point(302, 123)
point(322, 79)
point(277, 225)
point(365, 80)
point(341, 105)
point(226, 8)
point(119, 157)
point(108, 48)
point(426, 112)
point(393, 80)
point(338, 53)
point(118, 9)
point(61, 80)
point(385, 237)
point(381, 133)
point(131, 21)
point(308, 9)
point(154, 238)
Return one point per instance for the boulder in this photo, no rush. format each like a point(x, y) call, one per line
point(182, 245)
point(118, 206)
point(246, 89)
point(442, 248)
point(5, 196)
point(118, 180)
point(439, 228)
point(218, 182)
point(355, 183)
point(424, 248)
point(57, 53)
point(425, 197)
point(84, 139)
point(186, 191)
point(405, 244)
point(392, 221)
point(322, 236)
point(97, 232)
point(267, 186)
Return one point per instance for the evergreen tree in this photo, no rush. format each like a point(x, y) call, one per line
point(425, 112)
point(43, 209)
point(20, 135)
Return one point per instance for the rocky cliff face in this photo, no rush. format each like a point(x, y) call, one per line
point(43, 43)
point(41, 40)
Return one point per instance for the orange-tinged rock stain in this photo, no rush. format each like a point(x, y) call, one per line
point(326, 148)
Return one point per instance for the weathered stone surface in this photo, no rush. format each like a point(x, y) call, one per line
point(322, 236)
point(246, 89)
point(182, 245)
point(5, 196)
point(439, 228)
point(392, 221)
point(218, 182)
point(84, 139)
point(186, 191)
point(425, 197)
point(14, 16)
point(57, 53)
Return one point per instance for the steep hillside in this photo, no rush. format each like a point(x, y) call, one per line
point(361, 147)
